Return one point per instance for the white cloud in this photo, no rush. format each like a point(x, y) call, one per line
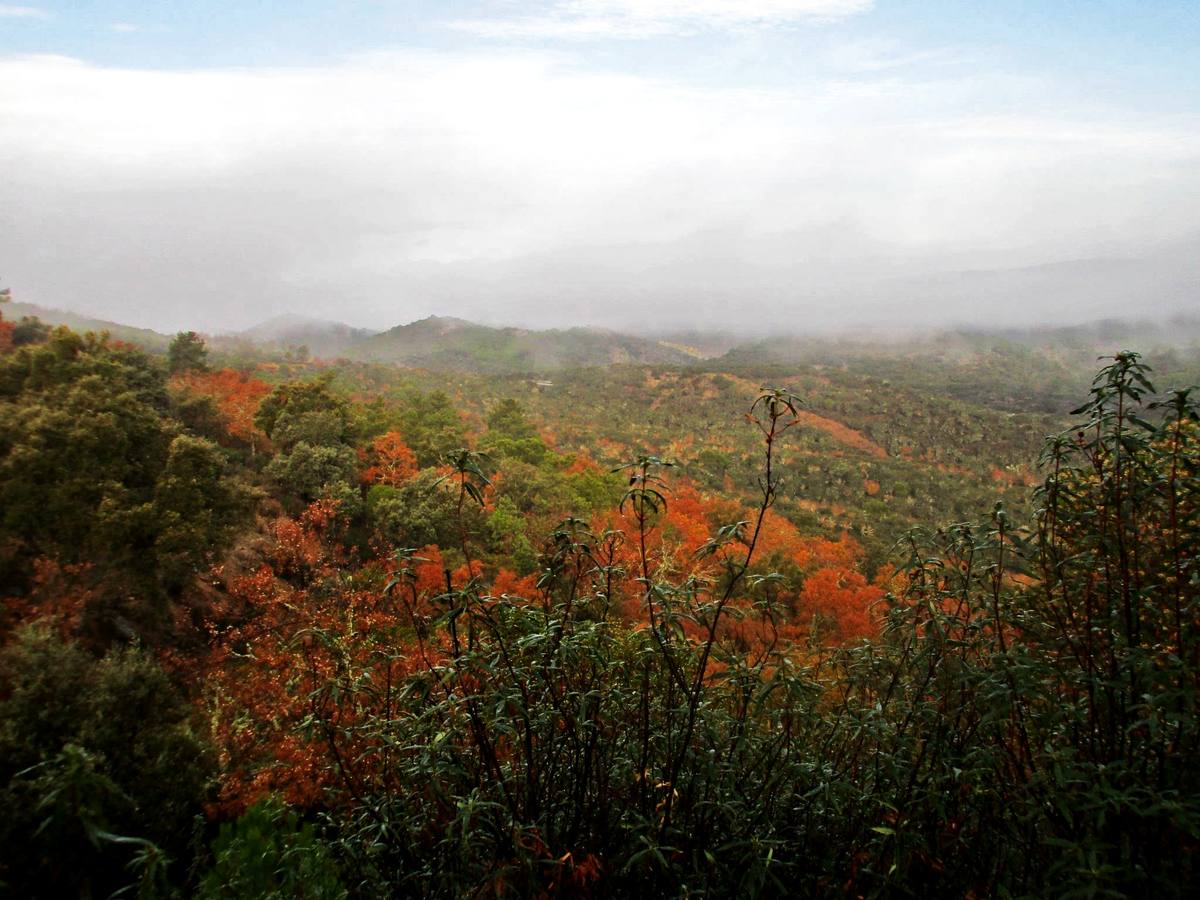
point(21, 12)
point(123, 27)
point(514, 186)
point(594, 19)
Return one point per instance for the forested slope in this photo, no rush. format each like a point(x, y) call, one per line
point(327, 630)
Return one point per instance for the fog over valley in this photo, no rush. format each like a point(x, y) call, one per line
point(800, 169)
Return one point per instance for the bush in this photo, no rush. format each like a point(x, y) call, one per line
point(268, 854)
point(91, 749)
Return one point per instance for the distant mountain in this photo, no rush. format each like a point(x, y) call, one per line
point(437, 342)
point(1080, 342)
point(143, 337)
point(446, 343)
point(322, 338)
point(1016, 369)
point(1180, 330)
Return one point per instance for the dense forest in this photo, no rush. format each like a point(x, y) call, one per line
point(782, 622)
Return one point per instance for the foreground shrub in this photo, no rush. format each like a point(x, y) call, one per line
point(98, 762)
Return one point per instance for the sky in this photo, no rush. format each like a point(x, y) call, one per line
point(752, 166)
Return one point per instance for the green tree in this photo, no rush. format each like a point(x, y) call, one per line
point(93, 470)
point(431, 426)
point(508, 534)
point(79, 457)
point(187, 352)
point(269, 854)
point(199, 413)
point(421, 511)
point(510, 434)
point(310, 471)
point(29, 330)
point(91, 749)
point(306, 412)
point(197, 506)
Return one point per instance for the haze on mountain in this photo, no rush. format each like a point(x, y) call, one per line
point(322, 337)
point(753, 167)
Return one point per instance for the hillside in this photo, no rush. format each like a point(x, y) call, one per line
point(1017, 370)
point(470, 578)
point(868, 457)
point(351, 580)
point(323, 338)
point(143, 337)
point(440, 342)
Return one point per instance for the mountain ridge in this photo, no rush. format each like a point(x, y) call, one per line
point(444, 342)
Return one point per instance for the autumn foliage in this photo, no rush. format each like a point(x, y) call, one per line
point(237, 396)
point(403, 644)
point(389, 461)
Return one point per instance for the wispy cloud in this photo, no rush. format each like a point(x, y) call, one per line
point(21, 12)
point(597, 19)
point(866, 55)
point(134, 28)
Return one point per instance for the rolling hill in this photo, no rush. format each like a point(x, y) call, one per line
point(439, 342)
point(143, 337)
point(323, 338)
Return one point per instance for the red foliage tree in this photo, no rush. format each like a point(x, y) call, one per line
point(237, 397)
point(389, 461)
